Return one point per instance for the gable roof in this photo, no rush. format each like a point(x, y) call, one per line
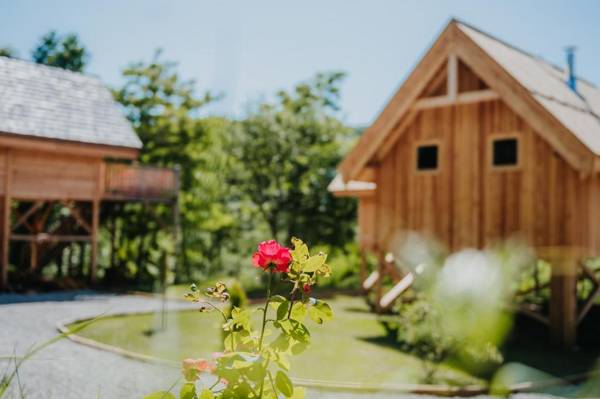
point(537, 90)
point(53, 103)
point(579, 112)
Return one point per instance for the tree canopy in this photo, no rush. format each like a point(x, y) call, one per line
point(288, 150)
point(65, 52)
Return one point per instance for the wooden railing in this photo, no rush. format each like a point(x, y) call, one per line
point(140, 182)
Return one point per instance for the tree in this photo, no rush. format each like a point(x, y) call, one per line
point(7, 52)
point(288, 151)
point(61, 51)
point(164, 111)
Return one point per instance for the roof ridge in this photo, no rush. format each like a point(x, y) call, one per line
point(50, 67)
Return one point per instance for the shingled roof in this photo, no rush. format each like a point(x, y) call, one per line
point(52, 103)
point(577, 111)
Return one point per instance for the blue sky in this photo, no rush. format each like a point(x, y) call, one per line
point(249, 49)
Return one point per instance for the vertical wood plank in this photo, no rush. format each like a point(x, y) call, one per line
point(452, 76)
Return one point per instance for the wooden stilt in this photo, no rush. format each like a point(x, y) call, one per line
point(563, 299)
point(6, 219)
point(363, 266)
point(94, 242)
point(379, 283)
point(33, 256)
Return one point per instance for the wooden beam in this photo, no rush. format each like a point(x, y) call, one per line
point(45, 237)
point(367, 174)
point(66, 147)
point(392, 139)
point(563, 295)
point(6, 218)
point(77, 216)
point(354, 193)
point(452, 76)
point(469, 97)
point(96, 221)
point(23, 218)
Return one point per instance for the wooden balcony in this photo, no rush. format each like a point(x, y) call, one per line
point(144, 183)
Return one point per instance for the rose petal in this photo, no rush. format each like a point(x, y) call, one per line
point(269, 248)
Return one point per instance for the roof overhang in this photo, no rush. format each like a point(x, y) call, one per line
point(353, 188)
point(33, 143)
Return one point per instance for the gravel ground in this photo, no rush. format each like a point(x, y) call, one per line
point(68, 370)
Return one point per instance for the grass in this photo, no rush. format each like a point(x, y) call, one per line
point(351, 348)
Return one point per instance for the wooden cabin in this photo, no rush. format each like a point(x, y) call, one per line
point(484, 141)
point(64, 141)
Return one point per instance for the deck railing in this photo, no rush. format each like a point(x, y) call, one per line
point(140, 182)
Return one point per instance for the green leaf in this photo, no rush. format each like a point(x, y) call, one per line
point(300, 251)
point(206, 394)
point(324, 270)
point(282, 310)
point(276, 300)
point(160, 395)
point(298, 348)
point(298, 311)
point(188, 391)
point(282, 343)
point(320, 312)
point(283, 383)
point(314, 262)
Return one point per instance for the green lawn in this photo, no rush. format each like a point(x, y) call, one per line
point(351, 348)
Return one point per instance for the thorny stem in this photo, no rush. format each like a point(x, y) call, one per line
point(272, 382)
point(292, 299)
point(264, 321)
point(215, 308)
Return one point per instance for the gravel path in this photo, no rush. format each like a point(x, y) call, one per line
point(68, 370)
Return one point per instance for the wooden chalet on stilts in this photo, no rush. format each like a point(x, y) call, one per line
point(64, 142)
point(481, 142)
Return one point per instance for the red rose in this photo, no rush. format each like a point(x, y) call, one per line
point(271, 254)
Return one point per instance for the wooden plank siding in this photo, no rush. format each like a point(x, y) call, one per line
point(469, 203)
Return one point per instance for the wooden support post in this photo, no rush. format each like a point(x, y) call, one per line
point(452, 76)
point(6, 219)
point(379, 282)
point(363, 266)
point(94, 242)
point(33, 256)
point(563, 299)
point(100, 188)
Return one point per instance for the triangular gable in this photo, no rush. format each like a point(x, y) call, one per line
point(457, 39)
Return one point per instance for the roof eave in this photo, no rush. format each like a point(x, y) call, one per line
point(59, 146)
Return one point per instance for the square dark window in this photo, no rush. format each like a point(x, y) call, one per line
point(505, 152)
point(427, 157)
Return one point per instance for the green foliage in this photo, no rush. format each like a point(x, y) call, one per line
point(164, 112)
point(8, 52)
point(252, 366)
point(420, 333)
point(288, 151)
point(65, 52)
